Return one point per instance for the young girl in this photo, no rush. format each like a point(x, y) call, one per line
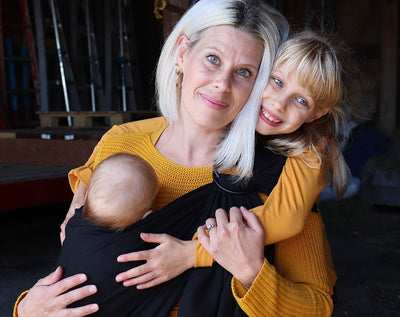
point(301, 116)
point(303, 103)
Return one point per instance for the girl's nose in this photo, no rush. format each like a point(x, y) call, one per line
point(279, 102)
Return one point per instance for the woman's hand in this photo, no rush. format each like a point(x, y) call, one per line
point(50, 296)
point(77, 202)
point(236, 242)
point(166, 261)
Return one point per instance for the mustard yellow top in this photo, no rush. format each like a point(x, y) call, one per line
point(301, 282)
point(283, 214)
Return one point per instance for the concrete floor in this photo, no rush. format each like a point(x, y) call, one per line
point(364, 241)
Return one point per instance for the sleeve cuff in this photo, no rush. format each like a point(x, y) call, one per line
point(202, 258)
point(20, 298)
point(79, 174)
point(244, 297)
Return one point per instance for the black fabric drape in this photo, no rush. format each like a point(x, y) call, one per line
point(93, 250)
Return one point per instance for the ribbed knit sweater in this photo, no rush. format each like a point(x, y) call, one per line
point(300, 282)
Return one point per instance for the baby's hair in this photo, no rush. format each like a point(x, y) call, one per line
point(318, 61)
point(122, 189)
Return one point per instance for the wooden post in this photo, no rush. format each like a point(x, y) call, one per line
point(389, 56)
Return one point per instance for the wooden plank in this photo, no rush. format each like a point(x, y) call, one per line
point(46, 152)
point(85, 119)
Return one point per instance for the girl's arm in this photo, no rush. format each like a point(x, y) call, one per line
point(286, 209)
point(301, 281)
point(300, 285)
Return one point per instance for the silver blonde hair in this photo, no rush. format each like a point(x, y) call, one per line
point(263, 23)
point(318, 62)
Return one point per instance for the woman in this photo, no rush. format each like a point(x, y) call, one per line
point(219, 53)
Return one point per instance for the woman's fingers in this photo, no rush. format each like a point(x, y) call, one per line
point(204, 239)
point(221, 217)
point(81, 311)
point(66, 284)
point(51, 295)
point(76, 294)
point(50, 279)
point(252, 220)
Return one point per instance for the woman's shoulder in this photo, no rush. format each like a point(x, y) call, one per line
point(142, 126)
point(130, 143)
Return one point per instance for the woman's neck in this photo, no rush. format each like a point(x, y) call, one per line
point(188, 146)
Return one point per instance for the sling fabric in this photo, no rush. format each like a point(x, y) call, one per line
point(94, 250)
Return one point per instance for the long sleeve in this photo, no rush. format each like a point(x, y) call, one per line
point(286, 209)
point(84, 172)
point(300, 284)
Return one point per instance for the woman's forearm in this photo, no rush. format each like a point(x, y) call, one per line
point(301, 281)
point(77, 201)
point(271, 295)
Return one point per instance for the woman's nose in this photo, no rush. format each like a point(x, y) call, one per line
point(223, 82)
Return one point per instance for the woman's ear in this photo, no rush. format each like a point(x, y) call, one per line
point(318, 115)
point(182, 48)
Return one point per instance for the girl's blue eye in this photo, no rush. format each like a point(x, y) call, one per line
point(278, 82)
point(244, 72)
point(213, 59)
point(302, 101)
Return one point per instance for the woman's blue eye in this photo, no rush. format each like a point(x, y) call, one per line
point(213, 59)
point(278, 81)
point(302, 101)
point(244, 72)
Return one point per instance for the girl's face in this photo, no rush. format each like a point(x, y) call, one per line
point(218, 76)
point(286, 105)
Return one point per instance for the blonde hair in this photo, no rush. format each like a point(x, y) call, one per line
point(122, 189)
point(318, 62)
point(258, 20)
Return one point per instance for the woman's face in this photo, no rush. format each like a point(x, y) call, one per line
point(219, 73)
point(286, 105)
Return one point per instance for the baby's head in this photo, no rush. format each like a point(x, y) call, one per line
point(122, 189)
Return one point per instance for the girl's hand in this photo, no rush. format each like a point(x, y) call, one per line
point(51, 295)
point(169, 259)
point(236, 242)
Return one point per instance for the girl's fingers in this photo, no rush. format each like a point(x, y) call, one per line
point(134, 256)
point(133, 273)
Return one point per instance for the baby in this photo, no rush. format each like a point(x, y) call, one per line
point(121, 192)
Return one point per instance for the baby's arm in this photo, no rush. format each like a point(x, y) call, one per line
point(286, 209)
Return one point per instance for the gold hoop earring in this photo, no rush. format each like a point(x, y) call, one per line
point(179, 78)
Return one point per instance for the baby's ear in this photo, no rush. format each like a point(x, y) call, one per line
point(318, 115)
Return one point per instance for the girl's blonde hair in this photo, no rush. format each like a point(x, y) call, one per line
point(317, 61)
point(260, 21)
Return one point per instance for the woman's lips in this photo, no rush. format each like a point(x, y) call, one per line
point(213, 103)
